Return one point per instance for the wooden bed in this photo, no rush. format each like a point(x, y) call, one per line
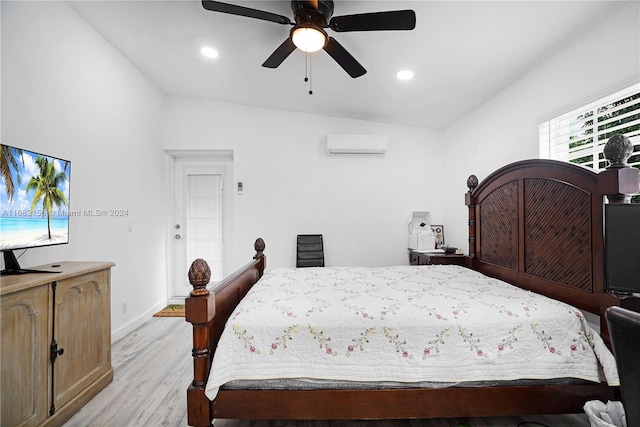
point(536, 224)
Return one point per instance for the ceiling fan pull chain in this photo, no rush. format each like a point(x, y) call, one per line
point(307, 70)
point(310, 72)
point(306, 66)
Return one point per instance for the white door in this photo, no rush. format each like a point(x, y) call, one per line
point(198, 228)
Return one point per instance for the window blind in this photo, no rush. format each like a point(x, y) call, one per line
point(579, 136)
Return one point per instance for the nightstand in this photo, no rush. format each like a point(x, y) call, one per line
point(421, 258)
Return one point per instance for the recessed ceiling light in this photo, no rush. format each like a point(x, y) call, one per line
point(209, 52)
point(404, 75)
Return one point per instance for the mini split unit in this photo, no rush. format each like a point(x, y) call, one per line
point(357, 144)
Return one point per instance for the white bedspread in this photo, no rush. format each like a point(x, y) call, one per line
point(403, 324)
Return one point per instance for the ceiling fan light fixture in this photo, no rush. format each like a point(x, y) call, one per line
point(308, 39)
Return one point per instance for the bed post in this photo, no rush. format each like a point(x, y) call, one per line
point(472, 183)
point(618, 182)
point(259, 247)
point(199, 311)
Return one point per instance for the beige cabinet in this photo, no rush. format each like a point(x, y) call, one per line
point(55, 342)
point(24, 356)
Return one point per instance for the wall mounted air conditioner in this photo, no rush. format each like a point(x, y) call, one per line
point(357, 144)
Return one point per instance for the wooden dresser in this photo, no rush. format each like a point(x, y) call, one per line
point(55, 341)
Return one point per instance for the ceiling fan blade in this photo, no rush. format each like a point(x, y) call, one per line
point(344, 58)
point(280, 54)
point(375, 21)
point(217, 6)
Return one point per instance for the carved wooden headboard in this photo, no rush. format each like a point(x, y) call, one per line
point(538, 224)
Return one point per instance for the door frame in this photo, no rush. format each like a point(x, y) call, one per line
point(219, 158)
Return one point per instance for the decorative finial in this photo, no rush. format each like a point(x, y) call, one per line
point(259, 247)
point(472, 182)
point(617, 150)
point(199, 276)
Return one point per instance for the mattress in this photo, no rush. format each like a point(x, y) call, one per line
point(406, 325)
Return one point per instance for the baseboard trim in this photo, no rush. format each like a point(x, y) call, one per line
point(136, 323)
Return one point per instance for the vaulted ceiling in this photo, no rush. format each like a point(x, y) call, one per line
point(461, 53)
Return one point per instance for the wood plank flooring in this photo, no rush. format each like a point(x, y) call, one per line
point(152, 369)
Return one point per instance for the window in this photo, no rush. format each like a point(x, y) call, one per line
point(579, 136)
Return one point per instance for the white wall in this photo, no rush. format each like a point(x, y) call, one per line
point(291, 186)
point(66, 92)
point(505, 129)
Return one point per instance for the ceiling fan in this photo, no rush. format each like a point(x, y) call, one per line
point(311, 17)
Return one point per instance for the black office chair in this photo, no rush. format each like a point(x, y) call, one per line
point(624, 328)
point(310, 251)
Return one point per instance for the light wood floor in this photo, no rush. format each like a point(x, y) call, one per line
point(152, 369)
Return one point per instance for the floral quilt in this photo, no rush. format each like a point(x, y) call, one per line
point(403, 324)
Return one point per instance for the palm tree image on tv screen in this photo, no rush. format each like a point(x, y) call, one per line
point(34, 199)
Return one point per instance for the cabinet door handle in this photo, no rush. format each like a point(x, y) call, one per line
point(55, 352)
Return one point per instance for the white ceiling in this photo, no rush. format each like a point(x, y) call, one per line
point(462, 54)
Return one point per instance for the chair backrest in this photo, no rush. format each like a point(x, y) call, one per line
point(624, 328)
point(310, 251)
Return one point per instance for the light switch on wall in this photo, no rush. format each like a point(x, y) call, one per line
point(240, 188)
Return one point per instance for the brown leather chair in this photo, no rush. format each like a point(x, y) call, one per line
point(624, 329)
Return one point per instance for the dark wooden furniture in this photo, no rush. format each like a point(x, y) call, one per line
point(630, 302)
point(536, 224)
point(423, 258)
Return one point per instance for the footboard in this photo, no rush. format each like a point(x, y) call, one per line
point(208, 312)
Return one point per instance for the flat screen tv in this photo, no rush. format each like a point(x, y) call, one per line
point(622, 248)
point(34, 203)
